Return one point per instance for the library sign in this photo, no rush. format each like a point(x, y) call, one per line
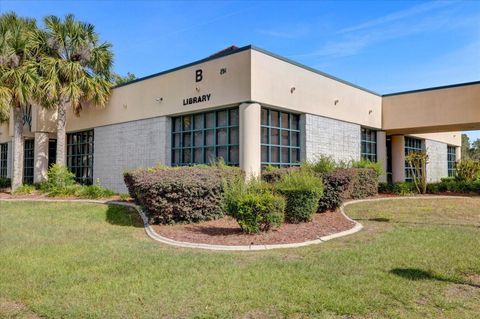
point(204, 97)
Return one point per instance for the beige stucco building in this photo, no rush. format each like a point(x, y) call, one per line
point(252, 108)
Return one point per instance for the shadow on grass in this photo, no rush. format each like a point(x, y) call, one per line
point(379, 219)
point(419, 274)
point(123, 216)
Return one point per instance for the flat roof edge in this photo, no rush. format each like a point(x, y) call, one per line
point(433, 88)
point(184, 66)
point(306, 67)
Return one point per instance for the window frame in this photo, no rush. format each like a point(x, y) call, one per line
point(229, 146)
point(368, 137)
point(414, 145)
point(3, 160)
point(451, 160)
point(269, 144)
point(28, 161)
point(81, 146)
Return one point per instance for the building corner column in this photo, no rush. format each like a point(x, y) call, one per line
point(40, 168)
point(398, 158)
point(382, 154)
point(250, 135)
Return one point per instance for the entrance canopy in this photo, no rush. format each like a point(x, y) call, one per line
point(440, 109)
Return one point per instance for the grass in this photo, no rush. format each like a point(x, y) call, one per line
point(413, 259)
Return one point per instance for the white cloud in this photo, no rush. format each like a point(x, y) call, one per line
point(353, 40)
point(399, 15)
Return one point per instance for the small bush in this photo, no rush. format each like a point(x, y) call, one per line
point(302, 191)
point(60, 182)
point(363, 163)
point(253, 205)
point(5, 182)
point(180, 194)
point(93, 191)
point(321, 165)
point(25, 189)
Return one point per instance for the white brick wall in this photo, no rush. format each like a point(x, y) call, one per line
point(324, 136)
point(437, 166)
point(124, 146)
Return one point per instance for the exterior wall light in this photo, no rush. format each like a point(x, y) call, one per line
point(370, 112)
point(292, 89)
point(335, 102)
point(197, 89)
point(159, 99)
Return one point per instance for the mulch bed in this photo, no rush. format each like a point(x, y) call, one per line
point(225, 231)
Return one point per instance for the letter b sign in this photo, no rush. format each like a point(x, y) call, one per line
point(198, 75)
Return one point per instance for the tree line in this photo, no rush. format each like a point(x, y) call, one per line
point(62, 64)
point(470, 150)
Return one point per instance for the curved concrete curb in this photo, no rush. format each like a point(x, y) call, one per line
point(155, 236)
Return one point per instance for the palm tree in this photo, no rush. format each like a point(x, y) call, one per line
point(18, 79)
point(75, 70)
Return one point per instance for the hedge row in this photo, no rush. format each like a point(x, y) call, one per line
point(446, 185)
point(194, 194)
point(179, 195)
point(339, 185)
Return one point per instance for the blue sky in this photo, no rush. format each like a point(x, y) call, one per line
point(386, 46)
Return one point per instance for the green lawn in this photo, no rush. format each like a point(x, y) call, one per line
point(414, 259)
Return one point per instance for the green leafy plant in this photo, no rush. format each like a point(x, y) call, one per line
point(60, 181)
point(93, 191)
point(418, 167)
point(322, 164)
point(25, 189)
point(124, 196)
point(400, 188)
point(302, 191)
point(467, 170)
point(253, 205)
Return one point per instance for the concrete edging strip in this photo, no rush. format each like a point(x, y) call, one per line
point(155, 236)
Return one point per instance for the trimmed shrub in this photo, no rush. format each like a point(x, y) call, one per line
point(5, 182)
point(349, 183)
point(181, 194)
point(337, 187)
point(273, 174)
point(302, 192)
point(253, 205)
point(365, 183)
point(364, 163)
